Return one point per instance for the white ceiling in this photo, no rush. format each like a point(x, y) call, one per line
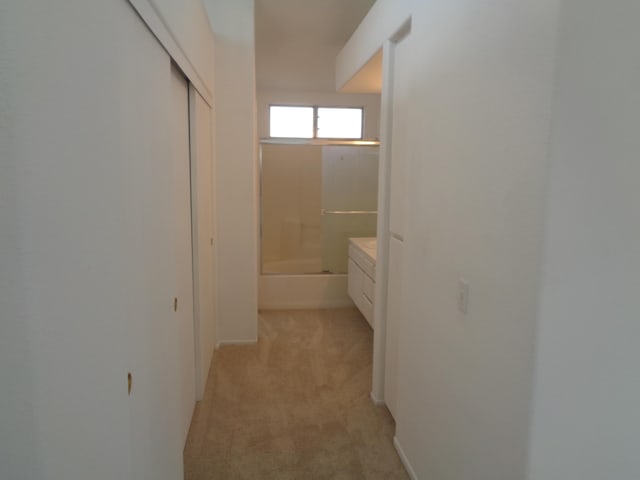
point(297, 41)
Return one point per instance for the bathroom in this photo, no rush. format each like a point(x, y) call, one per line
point(319, 170)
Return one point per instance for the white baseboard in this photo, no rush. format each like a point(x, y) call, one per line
point(404, 459)
point(376, 401)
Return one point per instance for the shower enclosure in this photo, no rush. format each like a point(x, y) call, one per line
point(314, 196)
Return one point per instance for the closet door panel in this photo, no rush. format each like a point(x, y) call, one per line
point(203, 219)
point(183, 254)
point(152, 265)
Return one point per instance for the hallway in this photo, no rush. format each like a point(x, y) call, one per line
point(294, 406)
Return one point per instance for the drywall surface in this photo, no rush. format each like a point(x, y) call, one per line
point(87, 249)
point(370, 103)
point(311, 69)
point(477, 174)
point(586, 424)
point(480, 91)
point(236, 182)
point(380, 24)
point(297, 42)
point(368, 79)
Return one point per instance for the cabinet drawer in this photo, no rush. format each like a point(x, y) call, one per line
point(366, 307)
point(368, 287)
point(365, 264)
point(354, 281)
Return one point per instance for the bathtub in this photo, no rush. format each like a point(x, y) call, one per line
point(303, 291)
point(292, 266)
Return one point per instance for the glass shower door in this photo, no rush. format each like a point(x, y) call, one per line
point(290, 209)
point(349, 200)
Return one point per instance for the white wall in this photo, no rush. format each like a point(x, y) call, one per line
point(298, 67)
point(236, 169)
point(297, 42)
point(479, 109)
point(586, 424)
point(370, 103)
point(476, 187)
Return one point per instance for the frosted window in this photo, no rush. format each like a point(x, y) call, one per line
point(340, 123)
point(291, 122)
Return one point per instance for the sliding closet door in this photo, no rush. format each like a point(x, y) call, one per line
point(202, 220)
point(183, 305)
point(150, 263)
point(94, 246)
point(158, 267)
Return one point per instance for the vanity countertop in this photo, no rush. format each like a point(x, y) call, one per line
point(367, 246)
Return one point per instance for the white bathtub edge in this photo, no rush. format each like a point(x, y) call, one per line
point(291, 292)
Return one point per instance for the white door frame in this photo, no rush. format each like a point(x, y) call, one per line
point(384, 202)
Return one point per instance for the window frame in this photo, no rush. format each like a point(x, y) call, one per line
point(315, 121)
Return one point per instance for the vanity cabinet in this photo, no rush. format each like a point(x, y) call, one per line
point(361, 275)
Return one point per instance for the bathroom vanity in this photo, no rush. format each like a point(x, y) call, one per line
point(362, 274)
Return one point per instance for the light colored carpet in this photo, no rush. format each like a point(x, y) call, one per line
point(294, 406)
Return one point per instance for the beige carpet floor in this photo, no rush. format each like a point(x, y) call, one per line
point(294, 406)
